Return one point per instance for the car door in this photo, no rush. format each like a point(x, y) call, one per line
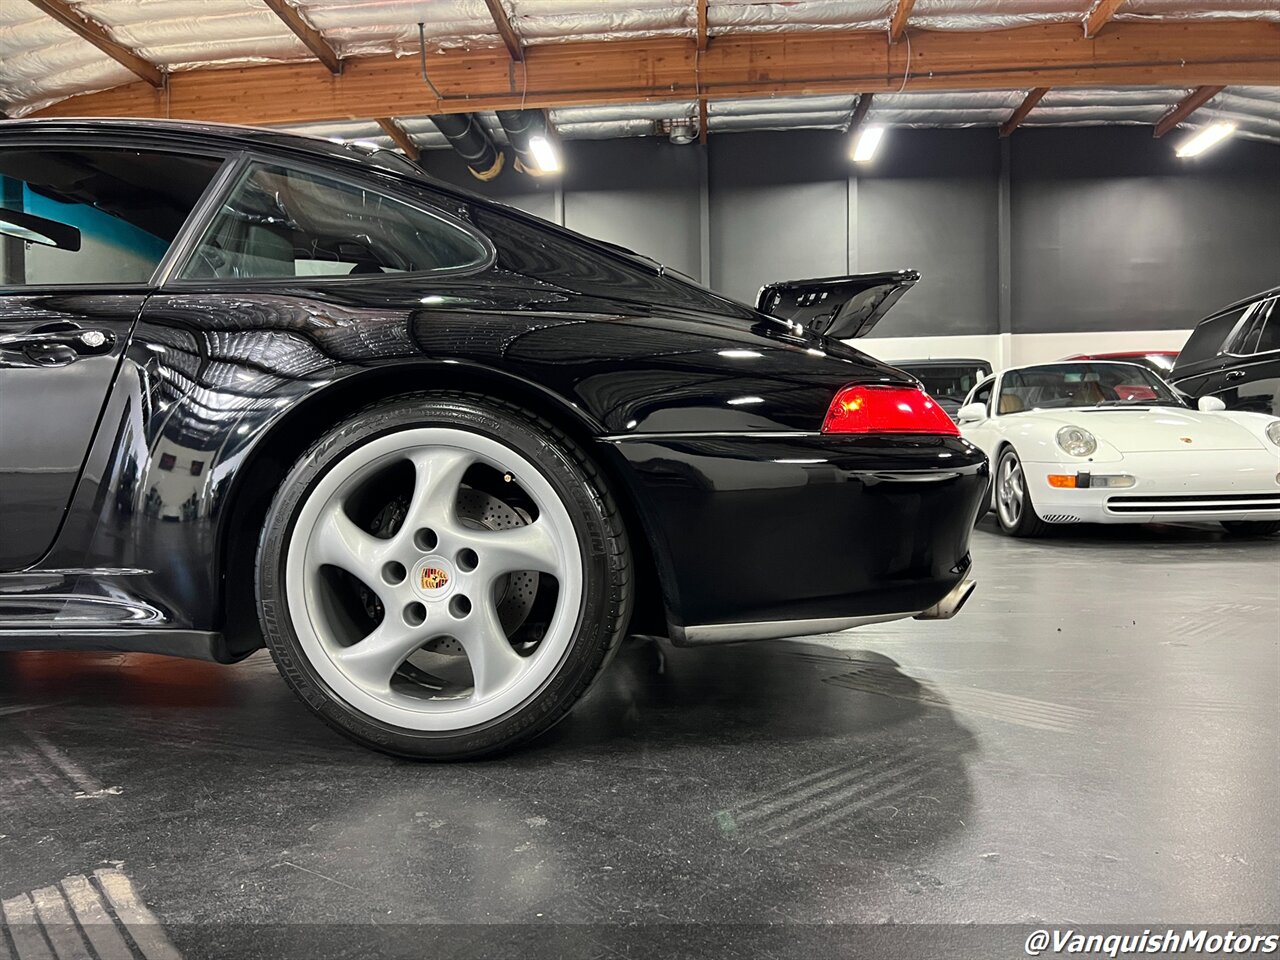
point(83, 229)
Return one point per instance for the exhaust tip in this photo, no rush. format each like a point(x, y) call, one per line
point(950, 605)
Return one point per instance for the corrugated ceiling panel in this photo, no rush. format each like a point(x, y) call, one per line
point(41, 61)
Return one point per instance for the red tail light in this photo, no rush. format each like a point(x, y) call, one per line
point(877, 409)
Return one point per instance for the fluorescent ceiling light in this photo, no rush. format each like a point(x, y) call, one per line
point(1205, 139)
point(866, 143)
point(544, 154)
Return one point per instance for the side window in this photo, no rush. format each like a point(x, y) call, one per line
point(1268, 339)
point(279, 222)
point(1247, 339)
point(83, 215)
point(983, 395)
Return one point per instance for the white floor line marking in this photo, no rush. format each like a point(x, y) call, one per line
point(141, 923)
point(58, 925)
point(89, 787)
point(28, 940)
point(97, 923)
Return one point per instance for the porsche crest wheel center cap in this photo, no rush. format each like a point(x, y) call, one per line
point(433, 578)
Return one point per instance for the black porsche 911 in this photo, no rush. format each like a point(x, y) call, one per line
point(438, 454)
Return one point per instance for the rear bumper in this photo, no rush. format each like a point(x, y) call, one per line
point(768, 536)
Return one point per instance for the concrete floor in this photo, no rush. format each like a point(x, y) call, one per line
point(1093, 740)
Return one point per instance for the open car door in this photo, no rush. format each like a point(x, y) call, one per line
point(840, 307)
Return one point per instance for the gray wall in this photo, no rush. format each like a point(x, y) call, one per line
point(1104, 228)
point(1111, 230)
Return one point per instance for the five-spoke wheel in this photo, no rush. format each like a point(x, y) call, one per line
point(435, 578)
point(1014, 509)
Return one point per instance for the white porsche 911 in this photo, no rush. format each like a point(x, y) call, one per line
point(1109, 442)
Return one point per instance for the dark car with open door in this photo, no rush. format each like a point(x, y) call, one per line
point(1234, 355)
point(439, 455)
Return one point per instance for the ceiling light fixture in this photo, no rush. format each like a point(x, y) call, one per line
point(866, 143)
point(544, 154)
point(1206, 138)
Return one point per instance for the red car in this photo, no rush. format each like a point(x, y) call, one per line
point(1161, 361)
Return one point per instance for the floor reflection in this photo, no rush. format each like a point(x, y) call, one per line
point(683, 769)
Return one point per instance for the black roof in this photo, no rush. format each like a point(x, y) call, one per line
point(1245, 301)
point(225, 135)
point(233, 137)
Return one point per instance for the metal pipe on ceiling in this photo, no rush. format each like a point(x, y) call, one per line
point(472, 143)
point(521, 126)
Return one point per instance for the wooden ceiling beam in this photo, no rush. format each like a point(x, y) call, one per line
point(1189, 104)
point(1100, 16)
point(898, 24)
point(1020, 112)
point(763, 65)
point(702, 25)
point(702, 121)
point(97, 34)
point(401, 137)
point(308, 34)
point(507, 32)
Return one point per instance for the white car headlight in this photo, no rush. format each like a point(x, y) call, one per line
point(1077, 441)
point(1273, 432)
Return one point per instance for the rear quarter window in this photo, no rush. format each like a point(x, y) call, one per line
point(285, 223)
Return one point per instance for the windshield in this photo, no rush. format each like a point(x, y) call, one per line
point(1060, 385)
point(947, 381)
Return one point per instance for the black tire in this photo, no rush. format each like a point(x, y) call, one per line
point(605, 608)
point(1250, 528)
point(1027, 522)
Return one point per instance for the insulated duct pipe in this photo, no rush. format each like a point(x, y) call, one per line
point(521, 125)
point(472, 143)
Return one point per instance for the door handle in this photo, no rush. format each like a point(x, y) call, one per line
point(1234, 375)
point(58, 344)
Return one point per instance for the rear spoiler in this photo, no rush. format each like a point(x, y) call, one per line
point(840, 307)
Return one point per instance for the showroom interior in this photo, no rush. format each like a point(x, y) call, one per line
point(1091, 741)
